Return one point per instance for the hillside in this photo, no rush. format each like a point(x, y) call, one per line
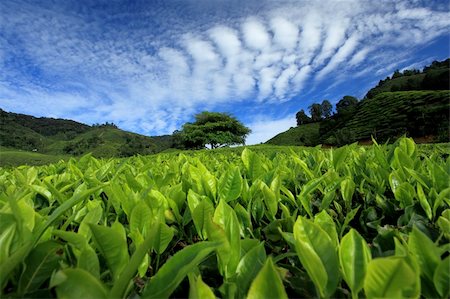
point(413, 103)
point(392, 114)
point(433, 77)
point(307, 134)
point(389, 115)
point(65, 137)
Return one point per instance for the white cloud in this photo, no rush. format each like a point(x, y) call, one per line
point(285, 33)
point(340, 56)
point(310, 37)
point(227, 41)
point(264, 128)
point(255, 35)
point(266, 80)
point(282, 83)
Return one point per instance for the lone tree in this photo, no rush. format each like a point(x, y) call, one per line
point(213, 128)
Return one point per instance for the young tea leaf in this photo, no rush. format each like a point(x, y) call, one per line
point(354, 256)
point(267, 283)
point(318, 255)
point(176, 268)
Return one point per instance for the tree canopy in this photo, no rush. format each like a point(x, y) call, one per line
point(327, 108)
point(213, 128)
point(316, 112)
point(345, 104)
point(302, 118)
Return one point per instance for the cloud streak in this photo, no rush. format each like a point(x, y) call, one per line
point(149, 68)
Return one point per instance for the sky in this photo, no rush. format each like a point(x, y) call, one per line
point(150, 66)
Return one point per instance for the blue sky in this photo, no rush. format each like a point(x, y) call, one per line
point(149, 66)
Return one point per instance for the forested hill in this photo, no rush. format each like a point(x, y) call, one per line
point(67, 137)
point(413, 103)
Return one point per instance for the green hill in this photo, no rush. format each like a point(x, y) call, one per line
point(416, 114)
point(390, 115)
point(433, 77)
point(20, 132)
point(307, 134)
point(413, 103)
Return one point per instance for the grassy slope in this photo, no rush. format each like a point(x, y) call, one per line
point(302, 135)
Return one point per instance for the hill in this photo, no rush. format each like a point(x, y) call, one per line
point(392, 114)
point(433, 77)
point(408, 103)
point(307, 134)
point(66, 137)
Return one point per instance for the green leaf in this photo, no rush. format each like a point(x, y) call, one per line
point(202, 213)
point(442, 278)
point(424, 202)
point(164, 238)
point(217, 234)
point(140, 218)
point(88, 260)
point(112, 243)
point(391, 277)
point(252, 163)
point(176, 268)
point(78, 283)
point(6, 238)
point(307, 189)
point(408, 146)
point(226, 217)
point(444, 223)
point(349, 217)
point(230, 184)
point(209, 183)
point(244, 218)
point(327, 224)
point(338, 156)
point(427, 253)
point(198, 289)
point(270, 200)
point(318, 255)
point(267, 283)
point(92, 217)
point(39, 266)
point(140, 255)
point(354, 256)
point(347, 190)
point(249, 266)
point(402, 158)
point(76, 240)
point(405, 194)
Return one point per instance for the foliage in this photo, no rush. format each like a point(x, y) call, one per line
point(346, 105)
point(316, 112)
point(213, 128)
point(302, 118)
point(232, 223)
point(327, 108)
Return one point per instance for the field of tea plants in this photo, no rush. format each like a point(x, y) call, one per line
point(237, 223)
